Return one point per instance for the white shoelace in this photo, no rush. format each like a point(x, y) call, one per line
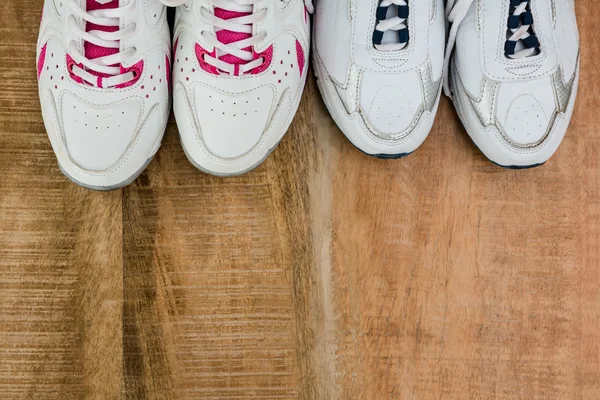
point(395, 24)
point(103, 71)
point(456, 10)
point(242, 24)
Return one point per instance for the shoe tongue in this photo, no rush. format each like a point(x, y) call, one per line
point(91, 50)
point(224, 36)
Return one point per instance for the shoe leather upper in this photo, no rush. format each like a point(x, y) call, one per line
point(520, 97)
point(92, 128)
point(390, 89)
point(232, 114)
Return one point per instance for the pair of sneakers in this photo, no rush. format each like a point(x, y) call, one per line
point(108, 70)
point(238, 68)
point(511, 68)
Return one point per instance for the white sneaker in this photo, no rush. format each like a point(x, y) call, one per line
point(238, 73)
point(514, 70)
point(379, 68)
point(104, 71)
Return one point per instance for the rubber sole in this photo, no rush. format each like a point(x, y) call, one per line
point(121, 185)
point(385, 156)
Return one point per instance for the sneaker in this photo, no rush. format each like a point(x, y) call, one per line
point(379, 69)
point(103, 76)
point(238, 74)
point(513, 75)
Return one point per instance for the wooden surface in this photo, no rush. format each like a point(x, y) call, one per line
point(324, 274)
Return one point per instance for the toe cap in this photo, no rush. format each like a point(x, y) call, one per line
point(390, 102)
point(526, 120)
point(233, 123)
point(525, 110)
point(97, 136)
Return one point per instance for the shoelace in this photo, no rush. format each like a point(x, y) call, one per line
point(106, 70)
point(456, 10)
point(387, 23)
point(233, 39)
point(522, 43)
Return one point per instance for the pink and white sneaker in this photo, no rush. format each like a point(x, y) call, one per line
point(104, 72)
point(239, 69)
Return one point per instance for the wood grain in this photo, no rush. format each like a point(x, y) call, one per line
point(323, 274)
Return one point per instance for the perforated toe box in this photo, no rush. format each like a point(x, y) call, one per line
point(390, 102)
point(97, 136)
point(231, 124)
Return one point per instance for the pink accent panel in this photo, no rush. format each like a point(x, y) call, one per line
point(137, 69)
point(168, 70)
point(41, 60)
point(300, 55)
point(267, 55)
point(200, 53)
point(70, 64)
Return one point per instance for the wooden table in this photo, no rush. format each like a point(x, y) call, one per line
point(323, 274)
